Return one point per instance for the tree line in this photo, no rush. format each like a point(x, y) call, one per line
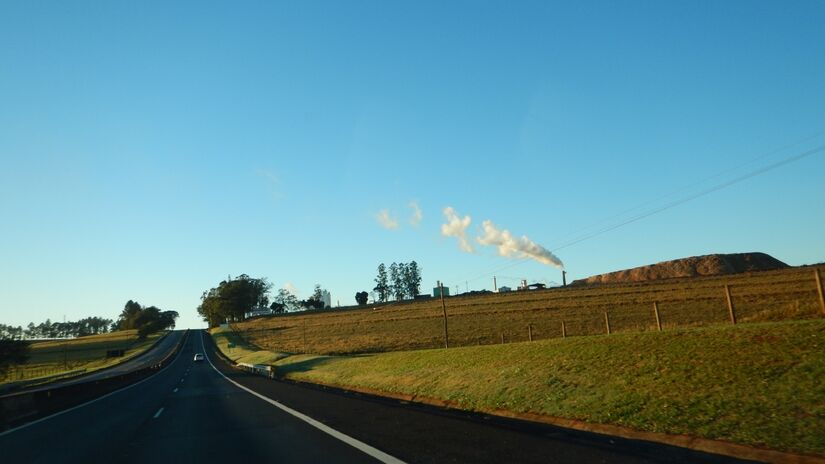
point(48, 329)
point(285, 301)
point(234, 298)
point(403, 281)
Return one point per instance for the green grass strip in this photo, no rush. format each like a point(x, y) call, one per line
point(756, 384)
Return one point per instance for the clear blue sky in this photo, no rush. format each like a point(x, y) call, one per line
point(150, 149)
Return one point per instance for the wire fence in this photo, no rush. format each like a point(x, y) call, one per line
point(794, 293)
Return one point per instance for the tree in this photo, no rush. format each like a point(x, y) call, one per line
point(412, 279)
point(397, 281)
point(382, 288)
point(361, 298)
point(126, 320)
point(285, 300)
point(316, 301)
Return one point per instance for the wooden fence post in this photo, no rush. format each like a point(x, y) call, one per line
point(444, 312)
point(819, 287)
point(607, 322)
point(502, 338)
point(530, 332)
point(656, 313)
point(730, 305)
point(563, 330)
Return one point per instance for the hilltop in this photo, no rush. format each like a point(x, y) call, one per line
point(695, 266)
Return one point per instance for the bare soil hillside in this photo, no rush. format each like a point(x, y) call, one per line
point(695, 266)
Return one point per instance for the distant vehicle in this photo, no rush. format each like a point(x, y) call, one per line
point(198, 357)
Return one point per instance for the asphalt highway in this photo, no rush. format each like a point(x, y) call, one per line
point(153, 355)
point(208, 412)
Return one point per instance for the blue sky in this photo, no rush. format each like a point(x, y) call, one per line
point(150, 149)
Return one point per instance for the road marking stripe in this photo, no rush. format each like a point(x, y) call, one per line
point(42, 419)
point(175, 390)
point(363, 447)
point(157, 414)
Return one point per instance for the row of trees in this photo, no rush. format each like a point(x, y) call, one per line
point(146, 320)
point(48, 329)
point(402, 282)
point(286, 301)
point(233, 299)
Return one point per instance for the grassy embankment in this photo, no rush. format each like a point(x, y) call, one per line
point(47, 358)
point(755, 384)
point(484, 319)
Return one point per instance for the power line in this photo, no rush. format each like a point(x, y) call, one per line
point(707, 191)
point(681, 201)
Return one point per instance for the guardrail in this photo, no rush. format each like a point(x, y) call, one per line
point(8, 387)
point(259, 369)
point(21, 407)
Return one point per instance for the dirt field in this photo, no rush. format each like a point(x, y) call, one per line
point(487, 319)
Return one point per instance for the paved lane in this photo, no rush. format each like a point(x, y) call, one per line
point(185, 413)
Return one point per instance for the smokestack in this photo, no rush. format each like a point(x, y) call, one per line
point(563, 278)
point(495, 287)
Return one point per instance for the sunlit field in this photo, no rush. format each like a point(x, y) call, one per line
point(48, 358)
point(572, 311)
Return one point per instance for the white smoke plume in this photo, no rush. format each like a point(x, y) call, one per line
point(522, 247)
point(417, 214)
point(385, 220)
point(291, 288)
point(457, 227)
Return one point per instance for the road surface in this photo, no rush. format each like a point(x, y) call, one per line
point(193, 412)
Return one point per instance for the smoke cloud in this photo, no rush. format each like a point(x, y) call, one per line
point(385, 220)
point(291, 288)
point(457, 227)
point(417, 214)
point(522, 247)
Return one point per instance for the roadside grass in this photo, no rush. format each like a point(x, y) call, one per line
point(242, 352)
point(54, 357)
point(486, 319)
point(757, 384)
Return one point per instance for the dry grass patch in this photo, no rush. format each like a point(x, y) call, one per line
point(485, 319)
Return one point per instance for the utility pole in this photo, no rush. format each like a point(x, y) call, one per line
point(444, 311)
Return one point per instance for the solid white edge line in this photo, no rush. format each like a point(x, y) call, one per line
point(42, 419)
point(359, 445)
point(157, 414)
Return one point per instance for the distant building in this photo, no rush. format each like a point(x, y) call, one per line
point(259, 311)
point(437, 291)
point(326, 298)
point(504, 289)
point(525, 286)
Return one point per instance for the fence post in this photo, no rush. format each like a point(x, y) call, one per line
point(563, 330)
point(607, 322)
point(502, 338)
point(730, 305)
point(530, 332)
point(656, 312)
point(819, 287)
point(444, 312)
